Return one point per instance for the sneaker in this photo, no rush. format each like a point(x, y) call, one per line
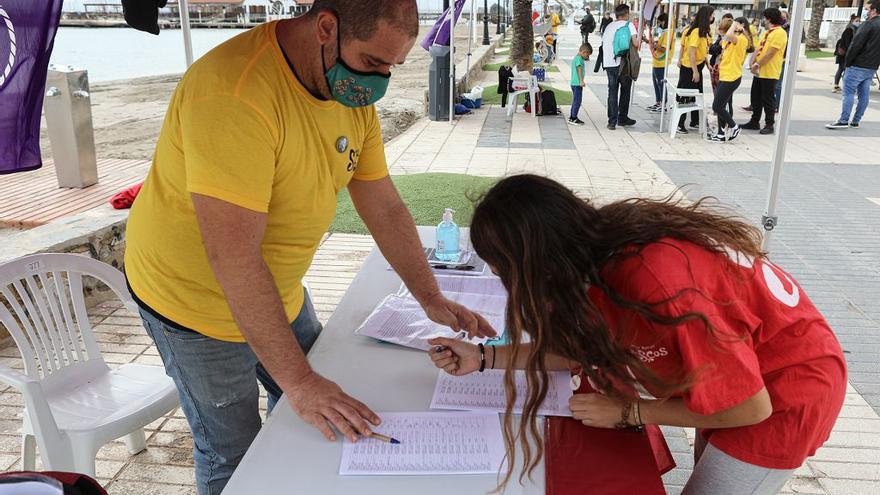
point(836, 89)
point(576, 122)
point(682, 130)
point(718, 138)
point(854, 125)
point(732, 133)
point(752, 126)
point(611, 127)
point(570, 121)
point(651, 108)
point(767, 130)
point(748, 108)
point(655, 109)
point(694, 125)
point(837, 125)
point(627, 122)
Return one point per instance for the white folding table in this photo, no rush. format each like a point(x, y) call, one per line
point(290, 456)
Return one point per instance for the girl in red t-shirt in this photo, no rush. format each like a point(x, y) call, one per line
point(676, 300)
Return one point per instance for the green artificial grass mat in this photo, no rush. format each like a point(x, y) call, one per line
point(491, 96)
point(496, 66)
point(426, 195)
point(819, 54)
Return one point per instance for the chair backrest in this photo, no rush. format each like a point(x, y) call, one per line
point(676, 91)
point(43, 308)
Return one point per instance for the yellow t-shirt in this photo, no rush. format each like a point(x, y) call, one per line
point(694, 40)
point(667, 38)
point(732, 59)
point(241, 128)
point(772, 38)
point(555, 22)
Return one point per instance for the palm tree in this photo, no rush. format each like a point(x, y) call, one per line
point(522, 46)
point(815, 24)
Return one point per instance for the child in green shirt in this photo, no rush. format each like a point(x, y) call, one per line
point(578, 81)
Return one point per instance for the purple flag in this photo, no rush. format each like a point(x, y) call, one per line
point(439, 34)
point(27, 31)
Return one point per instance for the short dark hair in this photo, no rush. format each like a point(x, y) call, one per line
point(875, 5)
point(621, 10)
point(727, 16)
point(854, 17)
point(586, 47)
point(773, 15)
point(360, 18)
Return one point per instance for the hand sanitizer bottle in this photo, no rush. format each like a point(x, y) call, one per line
point(448, 238)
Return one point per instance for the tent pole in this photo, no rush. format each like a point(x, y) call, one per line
point(470, 43)
point(671, 26)
point(183, 6)
point(769, 220)
point(452, 62)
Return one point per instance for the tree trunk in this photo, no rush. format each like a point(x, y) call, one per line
point(815, 24)
point(522, 46)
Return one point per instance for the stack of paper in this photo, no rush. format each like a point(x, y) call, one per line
point(431, 443)
point(485, 392)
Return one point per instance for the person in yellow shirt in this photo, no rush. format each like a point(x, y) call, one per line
point(735, 45)
point(766, 65)
point(260, 136)
point(695, 48)
point(663, 49)
point(555, 21)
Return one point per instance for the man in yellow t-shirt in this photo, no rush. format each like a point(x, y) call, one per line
point(766, 66)
point(663, 49)
point(260, 136)
point(555, 22)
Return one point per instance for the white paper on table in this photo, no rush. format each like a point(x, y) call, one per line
point(490, 285)
point(485, 392)
point(401, 319)
point(431, 443)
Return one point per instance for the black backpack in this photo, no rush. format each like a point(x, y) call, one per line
point(547, 106)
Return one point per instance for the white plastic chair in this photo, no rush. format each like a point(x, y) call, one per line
point(523, 82)
point(74, 402)
point(679, 109)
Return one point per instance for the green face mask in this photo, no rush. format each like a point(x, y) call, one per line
point(351, 87)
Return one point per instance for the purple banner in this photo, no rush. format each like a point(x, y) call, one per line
point(27, 31)
point(439, 34)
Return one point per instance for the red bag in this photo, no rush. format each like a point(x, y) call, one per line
point(126, 198)
point(52, 481)
point(600, 461)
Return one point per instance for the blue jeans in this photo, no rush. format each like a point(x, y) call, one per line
point(618, 96)
point(217, 385)
point(657, 78)
point(577, 96)
point(856, 80)
point(778, 93)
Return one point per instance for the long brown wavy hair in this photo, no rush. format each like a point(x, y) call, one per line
point(549, 246)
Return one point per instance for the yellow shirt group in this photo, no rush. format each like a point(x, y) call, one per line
point(666, 39)
point(694, 40)
point(733, 56)
point(241, 128)
point(772, 38)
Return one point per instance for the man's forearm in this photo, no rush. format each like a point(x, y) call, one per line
point(766, 57)
point(257, 308)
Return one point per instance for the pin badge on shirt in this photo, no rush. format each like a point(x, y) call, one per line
point(575, 382)
point(342, 144)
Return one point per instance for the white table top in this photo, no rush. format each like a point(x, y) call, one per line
point(290, 456)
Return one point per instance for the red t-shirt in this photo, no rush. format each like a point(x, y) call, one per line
point(767, 333)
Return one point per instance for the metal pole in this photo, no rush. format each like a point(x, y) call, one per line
point(769, 220)
point(451, 62)
point(498, 17)
point(485, 22)
point(670, 28)
point(183, 5)
point(470, 43)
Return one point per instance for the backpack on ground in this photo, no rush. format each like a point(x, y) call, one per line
point(547, 105)
point(622, 40)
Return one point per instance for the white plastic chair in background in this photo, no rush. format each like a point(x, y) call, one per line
point(74, 402)
point(523, 82)
point(679, 109)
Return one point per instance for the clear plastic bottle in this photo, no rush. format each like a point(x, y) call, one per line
point(448, 238)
